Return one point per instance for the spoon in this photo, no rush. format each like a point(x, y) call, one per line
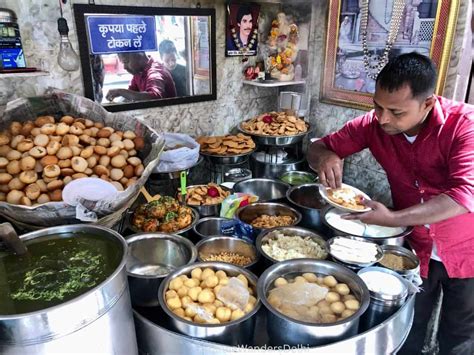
point(11, 239)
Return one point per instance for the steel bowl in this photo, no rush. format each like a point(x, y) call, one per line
point(209, 226)
point(206, 210)
point(150, 258)
point(262, 169)
point(227, 159)
point(231, 333)
point(353, 264)
point(184, 231)
point(248, 213)
point(306, 199)
point(221, 243)
point(291, 177)
point(391, 240)
point(263, 238)
point(267, 190)
point(276, 140)
point(284, 330)
point(409, 274)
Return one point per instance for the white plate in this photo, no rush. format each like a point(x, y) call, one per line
point(90, 189)
point(324, 195)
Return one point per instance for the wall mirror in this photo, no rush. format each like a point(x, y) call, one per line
point(140, 57)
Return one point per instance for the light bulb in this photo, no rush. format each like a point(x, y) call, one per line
point(67, 57)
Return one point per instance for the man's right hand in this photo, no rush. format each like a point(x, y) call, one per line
point(326, 163)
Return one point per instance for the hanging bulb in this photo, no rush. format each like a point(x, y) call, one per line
point(67, 57)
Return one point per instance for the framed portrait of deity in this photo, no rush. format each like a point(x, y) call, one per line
point(363, 35)
point(241, 29)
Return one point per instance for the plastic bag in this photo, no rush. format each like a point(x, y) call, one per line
point(238, 229)
point(232, 203)
point(181, 153)
point(234, 295)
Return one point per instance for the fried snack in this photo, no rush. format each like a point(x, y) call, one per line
point(346, 197)
point(210, 194)
point(266, 221)
point(275, 124)
point(226, 145)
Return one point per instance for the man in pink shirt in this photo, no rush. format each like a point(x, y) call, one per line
point(151, 80)
point(425, 143)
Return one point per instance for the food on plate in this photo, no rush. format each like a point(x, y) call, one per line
point(346, 197)
point(210, 194)
point(226, 145)
point(281, 247)
point(396, 262)
point(275, 124)
point(51, 154)
point(267, 221)
point(210, 296)
point(313, 298)
point(227, 257)
point(354, 251)
point(162, 215)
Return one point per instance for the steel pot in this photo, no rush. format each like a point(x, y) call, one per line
point(284, 330)
point(411, 273)
point(99, 320)
point(206, 210)
point(150, 258)
point(209, 226)
point(267, 190)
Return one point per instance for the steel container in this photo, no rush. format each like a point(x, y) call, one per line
point(146, 253)
point(306, 199)
point(353, 264)
point(226, 159)
point(262, 139)
point(220, 243)
point(97, 321)
point(263, 238)
point(232, 333)
point(408, 274)
point(273, 170)
point(285, 330)
point(267, 190)
point(206, 210)
point(291, 175)
point(209, 226)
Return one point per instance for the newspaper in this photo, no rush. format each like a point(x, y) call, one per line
point(58, 103)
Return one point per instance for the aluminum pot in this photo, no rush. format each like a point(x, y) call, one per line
point(267, 190)
point(209, 226)
point(150, 258)
point(284, 330)
point(307, 200)
point(99, 320)
point(220, 243)
point(232, 333)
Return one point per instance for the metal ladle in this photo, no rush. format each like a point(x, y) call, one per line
point(9, 237)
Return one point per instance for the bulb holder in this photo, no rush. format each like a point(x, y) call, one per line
point(62, 26)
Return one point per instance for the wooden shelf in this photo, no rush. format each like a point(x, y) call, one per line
point(273, 83)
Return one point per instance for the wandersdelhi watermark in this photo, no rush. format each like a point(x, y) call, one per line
point(252, 348)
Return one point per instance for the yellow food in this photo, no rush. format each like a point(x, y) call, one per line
point(226, 145)
point(275, 124)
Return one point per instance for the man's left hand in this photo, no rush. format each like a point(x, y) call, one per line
point(380, 215)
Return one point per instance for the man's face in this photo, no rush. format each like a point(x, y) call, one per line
point(131, 62)
point(246, 25)
point(169, 60)
point(399, 112)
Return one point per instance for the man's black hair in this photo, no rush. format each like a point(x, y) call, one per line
point(412, 69)
point(167, 47)
point(243, 10)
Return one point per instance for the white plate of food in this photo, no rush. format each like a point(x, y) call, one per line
point(346, 198)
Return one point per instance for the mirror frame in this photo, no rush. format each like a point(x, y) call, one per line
point(81, 9)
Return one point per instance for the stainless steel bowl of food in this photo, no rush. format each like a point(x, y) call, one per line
point(296, 178)
point(150, 258)
point(265, 215)
point(227, 159)
point(287, 243)
point(354, 252)
point(202, 201)
point(209, 226)
point(338, 325)
point(401, 260)
point(277, 140)
point(218, 326)
point(267, 190)
point(226, 249)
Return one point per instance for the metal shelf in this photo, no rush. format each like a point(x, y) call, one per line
point(273, 83)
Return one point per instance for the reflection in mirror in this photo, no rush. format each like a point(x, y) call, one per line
point(134, 60)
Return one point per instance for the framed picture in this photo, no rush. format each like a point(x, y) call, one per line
point(425, 26)
point(241, 29)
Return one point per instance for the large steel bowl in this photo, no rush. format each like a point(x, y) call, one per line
point(306, 199)
point(285, 330)
point(248, 213)
point(266, 235)
point(221, 243)
point(267, 190)
point(227, 159)
point(209, 226)
point(231, 333)
point(151, 257)
point(206, 210)
point(276, 140)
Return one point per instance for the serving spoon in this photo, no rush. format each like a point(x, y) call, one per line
point(9, 237)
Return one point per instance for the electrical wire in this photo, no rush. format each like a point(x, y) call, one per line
point(61, 8)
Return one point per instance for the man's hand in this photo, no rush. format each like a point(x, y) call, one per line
point(380, 215)
point(326, 163)
point(113, 93)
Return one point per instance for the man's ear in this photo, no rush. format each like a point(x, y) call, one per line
point(429, 102)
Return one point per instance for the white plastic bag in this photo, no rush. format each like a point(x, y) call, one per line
point(181, 158)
